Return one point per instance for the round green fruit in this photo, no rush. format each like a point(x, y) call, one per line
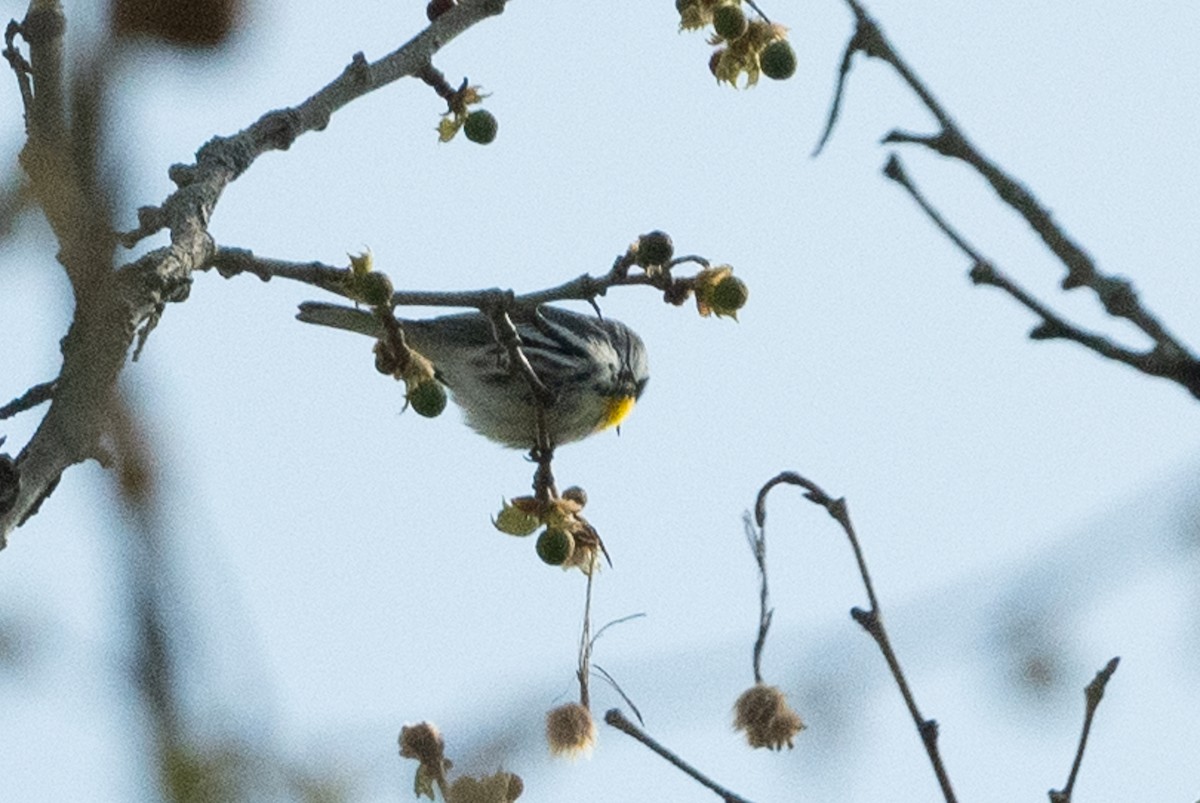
point(729, 295)
point(554, 546)
point(778, 60)
point(428, 398)
point(481, 126)
point(655, 248)
point(729, 21)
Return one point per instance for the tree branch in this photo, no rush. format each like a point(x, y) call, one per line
point(114, 307)
point(870, 620)
point(1168, 358)
point(1156, 361)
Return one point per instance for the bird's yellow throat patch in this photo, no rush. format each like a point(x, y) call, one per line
point(616, 408)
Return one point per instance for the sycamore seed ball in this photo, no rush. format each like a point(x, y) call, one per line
point(554, 546)
point(481, 126)
point(778, 60)
point(428, 398)
point(729, 295)
point(729, 21)
point(655, 248)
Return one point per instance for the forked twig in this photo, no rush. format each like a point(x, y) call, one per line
point(1092, 693)
point(1167, 358)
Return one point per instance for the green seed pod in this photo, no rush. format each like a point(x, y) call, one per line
point(428, 398)
point(654, 248)
point(729, 296)
point(554, 546)
point(729, 21)
point(481, 126)
point(778, 60)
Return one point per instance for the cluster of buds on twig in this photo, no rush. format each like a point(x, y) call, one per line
point(752, 47)
point(567, 539)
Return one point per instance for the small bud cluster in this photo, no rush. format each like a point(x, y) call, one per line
point(567, 540)
point(752, 47)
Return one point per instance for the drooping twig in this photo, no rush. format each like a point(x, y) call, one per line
point(871, 620)
point(1168, 358)
point(618, 720)
point(1092, 693)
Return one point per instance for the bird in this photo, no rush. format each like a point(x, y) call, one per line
point(595, 368)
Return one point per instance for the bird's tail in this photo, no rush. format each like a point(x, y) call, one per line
point(339, 317)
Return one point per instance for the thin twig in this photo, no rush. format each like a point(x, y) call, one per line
point(585, 646)
point(602, 672)
point(757, 538)
point(618, 720)
point(620, 621)
point(1092, 693)
point(871, 620)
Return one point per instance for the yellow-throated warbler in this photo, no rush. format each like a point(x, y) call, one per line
point(595, 367)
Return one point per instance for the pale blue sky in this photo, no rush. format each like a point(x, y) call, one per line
point(341, 556)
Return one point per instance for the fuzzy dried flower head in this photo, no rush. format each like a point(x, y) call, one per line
point(424, 743)
point(502, 787)
point(764, 714)
point(570, 730)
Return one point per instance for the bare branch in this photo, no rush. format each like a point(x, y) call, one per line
point(870, 620)
point(1157, 361)
point(1168, 358)
point(616, 719)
